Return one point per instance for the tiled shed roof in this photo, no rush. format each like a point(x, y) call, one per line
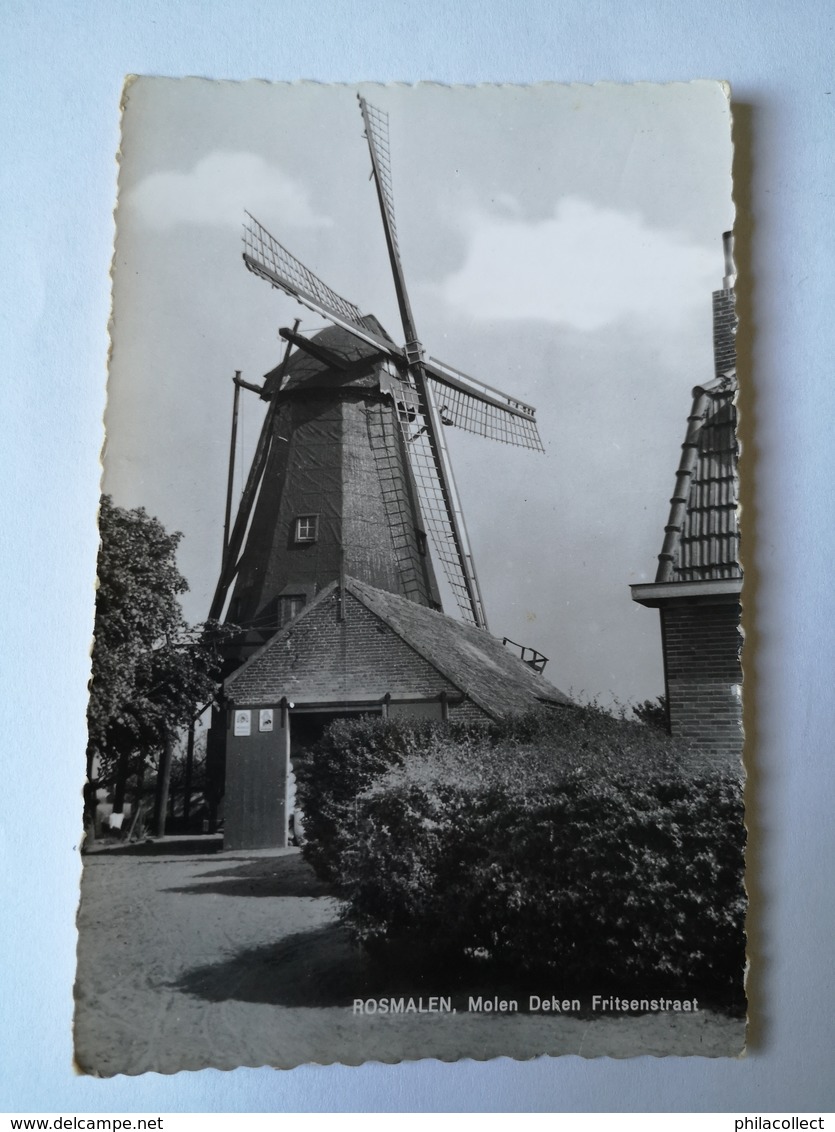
point(702, 534)
point(476, 662)
point(471, 659)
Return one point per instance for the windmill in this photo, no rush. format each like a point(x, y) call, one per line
point(414, 398)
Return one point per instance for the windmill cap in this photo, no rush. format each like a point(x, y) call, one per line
point(303, 370)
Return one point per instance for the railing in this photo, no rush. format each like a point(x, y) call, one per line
point(527, 655)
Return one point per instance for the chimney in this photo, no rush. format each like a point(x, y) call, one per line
point(730, 268)
point(724, 313)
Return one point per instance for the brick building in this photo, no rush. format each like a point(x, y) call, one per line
point(699, 579)
point(354, 649)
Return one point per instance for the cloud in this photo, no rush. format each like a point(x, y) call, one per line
point(217, 190)
point(584, 267)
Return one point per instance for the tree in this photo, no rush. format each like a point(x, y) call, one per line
point(151, 670)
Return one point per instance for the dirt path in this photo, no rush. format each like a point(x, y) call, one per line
point(234, 959)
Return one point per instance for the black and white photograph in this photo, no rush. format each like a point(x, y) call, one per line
point(415, 723)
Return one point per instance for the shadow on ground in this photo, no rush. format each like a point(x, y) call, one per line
point(198, 845)
point(315, 968)
point(319, 968)
point(322, 967)
point(259, 876)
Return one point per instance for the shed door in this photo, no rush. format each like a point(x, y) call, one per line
point(254, 806)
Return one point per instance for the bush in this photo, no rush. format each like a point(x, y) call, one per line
point(335, 773)
point(568, 843)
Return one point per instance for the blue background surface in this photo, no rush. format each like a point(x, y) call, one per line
point(61, 71)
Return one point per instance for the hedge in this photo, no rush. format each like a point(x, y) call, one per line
point(569, 842)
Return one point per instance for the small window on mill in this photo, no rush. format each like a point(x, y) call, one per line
point(307, 528)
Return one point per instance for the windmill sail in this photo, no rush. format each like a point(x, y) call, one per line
point(439, 505)
point(377, 135)
point(479, 408)
point(377, 132)
point(436, 486)
point(266, 257)
point(439, 512)
point(476, 414)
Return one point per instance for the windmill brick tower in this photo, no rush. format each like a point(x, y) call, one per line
point(328, 568)
point(699, 579)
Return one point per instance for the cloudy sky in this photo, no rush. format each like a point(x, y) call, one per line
point(559, 242)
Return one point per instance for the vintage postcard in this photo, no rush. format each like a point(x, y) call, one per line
point(421, 404)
